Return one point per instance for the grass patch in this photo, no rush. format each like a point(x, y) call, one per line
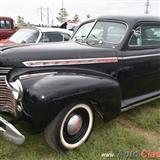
point(146, 116)
point(108, 137)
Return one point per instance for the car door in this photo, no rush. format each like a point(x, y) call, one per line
point(140, 75)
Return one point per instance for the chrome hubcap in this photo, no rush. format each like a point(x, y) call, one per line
point(74, 124)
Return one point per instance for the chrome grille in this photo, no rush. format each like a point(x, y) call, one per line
point(7, 102)
point(4, 70)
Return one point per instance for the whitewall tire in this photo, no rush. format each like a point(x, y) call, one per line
point(71, 127)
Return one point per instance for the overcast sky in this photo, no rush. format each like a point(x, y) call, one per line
point(30, 9)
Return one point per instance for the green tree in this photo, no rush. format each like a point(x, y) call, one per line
point(20, 20)
point(76, 18)
point(62, 15)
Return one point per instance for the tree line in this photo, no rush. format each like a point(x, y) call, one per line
point(62, 17)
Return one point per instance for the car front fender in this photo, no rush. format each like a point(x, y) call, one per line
point(46, 95)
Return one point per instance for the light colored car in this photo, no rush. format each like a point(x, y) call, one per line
point(38, 35)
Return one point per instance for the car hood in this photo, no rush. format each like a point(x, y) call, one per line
point(6, 42)
point(15, 55)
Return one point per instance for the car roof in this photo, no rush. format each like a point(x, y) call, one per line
point(49, 29)
point(132, 19)
point(4, 17)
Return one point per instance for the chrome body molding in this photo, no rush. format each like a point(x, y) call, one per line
point(138, 104)
point(28, 76)
point(17, 89)
point(140, 56)
point(43, 63)
point(4, 70)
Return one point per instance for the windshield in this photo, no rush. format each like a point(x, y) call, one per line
point(83, 31)
point(25, 36)
point(106, 31)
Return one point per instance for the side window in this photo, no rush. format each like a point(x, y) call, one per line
point(51, 37)
point(109, 32)
point(44, 38)
point(5, 24)
point(145, 36)
point(2, 24)
point(66, 37)
point(8, 25)
point(151, 35)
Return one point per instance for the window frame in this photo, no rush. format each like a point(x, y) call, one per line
point(5, 24)
point(112, 21)
point(95, 21)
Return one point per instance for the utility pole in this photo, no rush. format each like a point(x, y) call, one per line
point(48, 15)
point(41, 11)
point(62, 9)
point(62, 4)
point(147, 4)
point(44, 14)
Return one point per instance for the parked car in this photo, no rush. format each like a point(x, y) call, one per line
point(112, 64)
point(38, 35)
point(7, 27)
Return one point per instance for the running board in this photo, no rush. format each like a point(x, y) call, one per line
point(138, 104)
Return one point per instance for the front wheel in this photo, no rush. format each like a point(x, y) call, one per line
point(71, 127)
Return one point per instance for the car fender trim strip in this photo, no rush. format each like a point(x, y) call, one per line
point(139, 56)
point(43, 63)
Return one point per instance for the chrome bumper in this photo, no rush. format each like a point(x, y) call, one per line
point(10, 133)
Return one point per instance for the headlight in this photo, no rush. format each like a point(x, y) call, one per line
point(17, 89)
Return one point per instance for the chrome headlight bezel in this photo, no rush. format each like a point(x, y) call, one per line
point(17, 89)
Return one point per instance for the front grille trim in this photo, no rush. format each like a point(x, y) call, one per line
point(4, 70)
point(7, 101)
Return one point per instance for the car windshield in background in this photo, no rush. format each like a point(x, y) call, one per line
point(25, 36)
point(108, 32)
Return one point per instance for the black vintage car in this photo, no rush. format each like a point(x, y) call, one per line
point(110, 65)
